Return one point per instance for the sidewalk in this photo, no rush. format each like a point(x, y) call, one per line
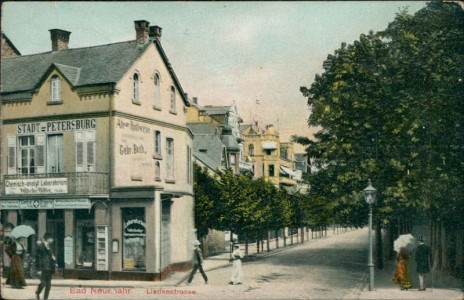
point(442, 286)
point(175, 279)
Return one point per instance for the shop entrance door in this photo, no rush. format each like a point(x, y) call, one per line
point(166, 233)
point(55, 226)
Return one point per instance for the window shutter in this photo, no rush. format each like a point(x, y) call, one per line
point(40, 153)
point(80, 151)
point(12, 155)
point(90, 140)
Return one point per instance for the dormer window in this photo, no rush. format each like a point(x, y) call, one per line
point(135, 88)
point(173, 99)
point(55, 90)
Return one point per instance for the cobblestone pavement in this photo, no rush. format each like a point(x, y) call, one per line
point(326, 268)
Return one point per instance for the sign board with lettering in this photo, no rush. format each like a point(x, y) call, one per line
point(36, 186)
point(68, 250)
point(46, 204)
point(56, 126)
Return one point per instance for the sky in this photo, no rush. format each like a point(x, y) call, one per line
point(222, 52)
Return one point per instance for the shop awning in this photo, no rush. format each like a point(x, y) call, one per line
point(287, 171)
point(269, 145)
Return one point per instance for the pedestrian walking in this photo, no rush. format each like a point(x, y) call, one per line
point(6, 258)
point(401, 276)
point(237, 273)
point(197, 263)
point(423, 261)
point(45, 265)
point(15, 251)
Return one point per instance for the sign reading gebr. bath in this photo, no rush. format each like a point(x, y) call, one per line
point(36, 186)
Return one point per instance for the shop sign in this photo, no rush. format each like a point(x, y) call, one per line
point(56, 126)
point(68, 250)
point(36, 204)
point(134, 227)
point(45, 204)
point(71, 203)
point(36, 186)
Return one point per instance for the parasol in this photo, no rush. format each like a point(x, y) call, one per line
point(404, 241)
point(22, 231)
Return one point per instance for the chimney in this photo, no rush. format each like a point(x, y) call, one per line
point(60, 39)
point(141, 31)
point(155, 32)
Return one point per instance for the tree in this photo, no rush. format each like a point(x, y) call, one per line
point(390, 108)
point(206, 209)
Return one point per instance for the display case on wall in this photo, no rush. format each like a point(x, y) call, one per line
point(102, 248)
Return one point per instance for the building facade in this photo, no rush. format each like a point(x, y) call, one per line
point(272, 160)
point(97, 152)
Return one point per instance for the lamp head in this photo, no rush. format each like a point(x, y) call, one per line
point(370, 193)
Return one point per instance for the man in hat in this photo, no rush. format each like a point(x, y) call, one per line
point(45, 265)
point(197, 263)
point(423, 261)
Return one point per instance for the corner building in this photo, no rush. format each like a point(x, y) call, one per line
point(96, 151)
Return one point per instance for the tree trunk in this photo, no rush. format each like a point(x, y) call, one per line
point(302, 234)
point(436, 254)
point(246, 244)
point(277, 239)
point(285, 237)
point(267, 240)
point(444, 250)
point(257, 243)
point(459, 249)
point(379, 246)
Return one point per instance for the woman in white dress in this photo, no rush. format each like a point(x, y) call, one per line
point(237, 274)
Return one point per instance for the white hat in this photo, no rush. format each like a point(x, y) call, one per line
point(196, 243)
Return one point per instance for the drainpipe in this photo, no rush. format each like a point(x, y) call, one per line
point(110, 167)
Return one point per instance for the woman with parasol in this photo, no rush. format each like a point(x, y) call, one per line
point(401, 276)
point(15, 251)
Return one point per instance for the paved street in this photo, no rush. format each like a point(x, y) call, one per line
point(327, 268)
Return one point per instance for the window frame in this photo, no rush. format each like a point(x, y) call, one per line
point(136, 88)
point(157, 91)
point(170, 160)
point(55, 90)
point(172, 102)
point(157, 145)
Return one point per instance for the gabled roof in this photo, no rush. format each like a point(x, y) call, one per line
point(207, 145)
point(10, 44)
point(86, 66)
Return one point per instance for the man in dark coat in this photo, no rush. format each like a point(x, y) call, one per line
point(45, 265)
point(197, 263)
point(423, 261)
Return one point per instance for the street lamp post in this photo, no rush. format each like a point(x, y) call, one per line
point(369, 194)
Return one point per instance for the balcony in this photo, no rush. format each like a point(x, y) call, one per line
point(78, 183)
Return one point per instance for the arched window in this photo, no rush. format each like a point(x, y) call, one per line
point(173, 99)
point(251, 150)
point(55, 89)
point(135, 88)
point(157, 96)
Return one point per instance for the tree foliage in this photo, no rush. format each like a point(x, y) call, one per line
point(390, 108)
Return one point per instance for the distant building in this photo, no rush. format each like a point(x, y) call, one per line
point(97, 152)
point(211, 122)
point(271, 159)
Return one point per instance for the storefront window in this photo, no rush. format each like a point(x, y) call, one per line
point(134, 232)
point(85, 239)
